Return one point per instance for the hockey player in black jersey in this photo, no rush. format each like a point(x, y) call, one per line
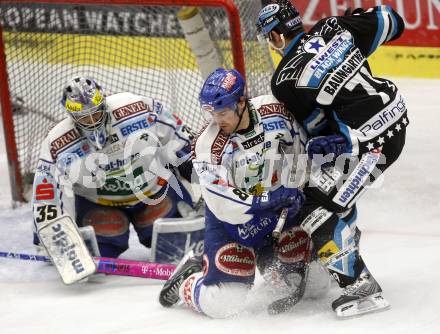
point(357, 122)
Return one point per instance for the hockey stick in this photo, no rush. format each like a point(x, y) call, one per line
point(276, 233)
point(111, 266)
point(284, 304)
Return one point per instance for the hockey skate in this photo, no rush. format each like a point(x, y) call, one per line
point(363, 296)
point(169, 295)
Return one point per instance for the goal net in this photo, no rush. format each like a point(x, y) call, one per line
point(136, 46)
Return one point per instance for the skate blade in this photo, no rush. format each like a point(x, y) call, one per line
point(370, 304)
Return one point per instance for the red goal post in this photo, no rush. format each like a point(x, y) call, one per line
point(22, 157)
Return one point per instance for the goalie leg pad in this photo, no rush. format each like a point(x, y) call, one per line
point(111, 226)
point(66, 249)
point(174, 237)
point(144, 216)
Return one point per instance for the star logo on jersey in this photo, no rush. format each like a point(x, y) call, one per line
point(314, 45)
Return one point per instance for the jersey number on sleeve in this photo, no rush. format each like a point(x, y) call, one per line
point(241, 194)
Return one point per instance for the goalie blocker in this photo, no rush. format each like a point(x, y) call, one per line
point(70, 247)
point(67, 249)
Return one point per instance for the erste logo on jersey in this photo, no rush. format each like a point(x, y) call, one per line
point(274, 125)
point(143, 123)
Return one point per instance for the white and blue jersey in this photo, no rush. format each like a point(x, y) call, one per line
point(233, 169)
point(144, 147)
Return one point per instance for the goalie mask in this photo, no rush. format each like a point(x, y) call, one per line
point(83, 99)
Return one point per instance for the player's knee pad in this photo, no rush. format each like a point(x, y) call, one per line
point(111, 227)
point(223, 300)
point(172, 238)
point(319, 223)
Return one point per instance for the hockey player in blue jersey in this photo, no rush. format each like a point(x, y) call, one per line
point(359, 120)
point(114, 161)
point(241, 160)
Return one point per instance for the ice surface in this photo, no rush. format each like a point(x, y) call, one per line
point(401, 238)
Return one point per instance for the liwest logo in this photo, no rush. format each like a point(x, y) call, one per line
point(66, 248)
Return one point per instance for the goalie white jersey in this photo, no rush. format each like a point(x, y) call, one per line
point(266, 155)
point(144, 143)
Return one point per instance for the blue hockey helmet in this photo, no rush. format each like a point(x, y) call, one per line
point(222, 89)
point(281, 16)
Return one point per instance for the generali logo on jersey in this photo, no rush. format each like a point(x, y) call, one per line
point(218, 145)
point(62, 141)
point(129, 110)
point(273, 109)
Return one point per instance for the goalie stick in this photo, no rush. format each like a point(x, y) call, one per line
point(111, 266)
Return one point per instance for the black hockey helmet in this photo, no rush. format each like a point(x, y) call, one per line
point(281, 16)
